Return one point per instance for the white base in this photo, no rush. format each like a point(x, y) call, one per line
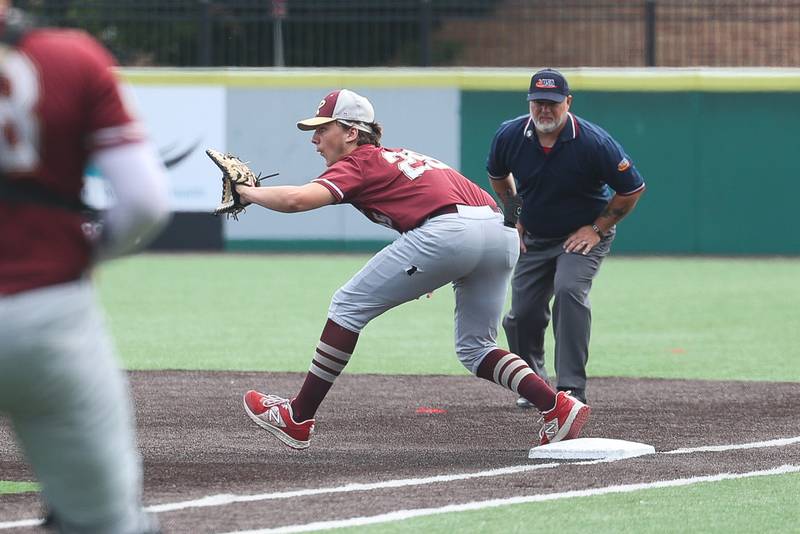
point(591, 449)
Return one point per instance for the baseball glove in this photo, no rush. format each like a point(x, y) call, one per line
point(234, 171)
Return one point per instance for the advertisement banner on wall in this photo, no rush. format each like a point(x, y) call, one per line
point(182, 121)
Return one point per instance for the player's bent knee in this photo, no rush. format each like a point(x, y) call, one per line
point(347, 313)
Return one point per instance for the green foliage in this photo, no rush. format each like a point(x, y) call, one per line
point(241, 33)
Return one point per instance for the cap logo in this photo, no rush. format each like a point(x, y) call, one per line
point(546, 83)
point(319, 108)
point(624, 165)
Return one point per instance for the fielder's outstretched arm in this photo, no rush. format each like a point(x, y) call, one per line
point(288, 198)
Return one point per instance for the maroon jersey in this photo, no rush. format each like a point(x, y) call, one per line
point(59, 101)
point(397, 187)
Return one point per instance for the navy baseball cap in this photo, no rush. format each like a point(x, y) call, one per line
point(548, 84)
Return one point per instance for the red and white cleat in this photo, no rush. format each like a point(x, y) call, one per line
point(274, 414)
point(565, 420)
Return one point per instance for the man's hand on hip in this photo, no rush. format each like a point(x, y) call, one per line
point(582, 240)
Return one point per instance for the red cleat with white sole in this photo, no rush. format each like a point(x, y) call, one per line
point(565, 420)
point(274, 414)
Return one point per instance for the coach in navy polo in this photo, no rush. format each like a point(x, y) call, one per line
point(575, 183)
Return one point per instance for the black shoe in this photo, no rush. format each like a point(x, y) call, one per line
point(576, 393)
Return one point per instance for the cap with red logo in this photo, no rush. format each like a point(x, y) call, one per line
point(548, 84)
point(345, 106)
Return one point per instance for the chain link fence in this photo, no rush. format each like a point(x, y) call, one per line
point(485, 33)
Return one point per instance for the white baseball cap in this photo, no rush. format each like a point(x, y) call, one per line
point(345, 106)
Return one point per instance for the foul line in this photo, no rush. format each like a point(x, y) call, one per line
point(494, 503)
point(218, 500)
point(225, 499)
point(753, 445)
point(22, 523)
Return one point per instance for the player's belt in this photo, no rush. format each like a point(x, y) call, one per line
point(18, 192)
point(453, 208)
point(444, 210)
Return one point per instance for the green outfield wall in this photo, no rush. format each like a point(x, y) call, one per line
point(721, 168)
point(717, 147)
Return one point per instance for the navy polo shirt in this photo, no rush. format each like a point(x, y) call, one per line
point(571, 185)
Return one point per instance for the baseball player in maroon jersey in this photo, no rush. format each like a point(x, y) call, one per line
point(60, 383)
point(450, 231)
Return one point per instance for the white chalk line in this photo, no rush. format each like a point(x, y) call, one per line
point(401, 515)
point(754, 445)
point(22, 523)
point(226, 499)
point(217, 500)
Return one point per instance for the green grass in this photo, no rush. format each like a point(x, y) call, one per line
point(762, 504)
point(714, 318)
point(706, 318)
point(9, 486)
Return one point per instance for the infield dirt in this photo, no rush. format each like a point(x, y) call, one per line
point(197, 441)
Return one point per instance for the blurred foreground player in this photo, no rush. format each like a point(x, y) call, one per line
point(60, 384)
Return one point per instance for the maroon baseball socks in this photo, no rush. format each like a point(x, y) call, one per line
point(337, 344)
point(510, 371)
point(334, 349)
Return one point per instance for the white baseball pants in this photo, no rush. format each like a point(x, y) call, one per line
point(471, 248)
point(71, 409)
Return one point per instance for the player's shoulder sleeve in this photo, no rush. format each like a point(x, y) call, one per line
point(497, 162)
point(111, 120)
point(614, 166)
point(344, 179)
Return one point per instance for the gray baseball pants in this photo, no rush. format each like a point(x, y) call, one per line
point(547, 272)
point(70, 407)
point(471, 248)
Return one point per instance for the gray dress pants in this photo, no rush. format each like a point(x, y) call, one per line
point(547, 272)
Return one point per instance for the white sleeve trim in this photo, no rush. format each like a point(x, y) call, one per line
point(333, 185)
point(629, 193)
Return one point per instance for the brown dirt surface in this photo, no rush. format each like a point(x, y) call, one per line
point(196, 441)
